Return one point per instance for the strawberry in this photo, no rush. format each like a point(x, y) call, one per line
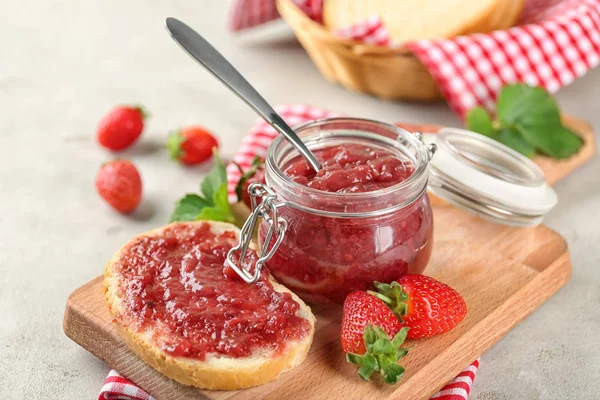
point(256, 173)
point(119, 183)
point(428, 307)
point(367, 326)
point(121, 127)
point(191, 145)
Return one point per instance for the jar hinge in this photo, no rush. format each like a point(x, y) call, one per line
point(431, 148)
point(266, 210)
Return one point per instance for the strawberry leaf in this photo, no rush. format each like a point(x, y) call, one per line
point(392, 373)
point(392, 295)
point(174, 142)
point(365, 373)
point(400, 337)
point(382, 354)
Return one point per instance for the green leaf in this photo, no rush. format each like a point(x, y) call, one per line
point(214, 214)
point(533, 112)
point(370, 361)
point(394, 296)
point(369, 336)
point(479, 120)
point(382, 346)
point(401, 352)
point(354, 358)
point(559, 143)
point(220, 199)
point(382, 353)
point(526, 106)
point(511, 138)
point(392, 373)
point(365, 373)
point(214, 179)
point(400, 337)
point(188, 208)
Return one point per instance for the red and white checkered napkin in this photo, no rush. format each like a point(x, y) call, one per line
point(117, 387)
point(256, 143)
point(556, 41)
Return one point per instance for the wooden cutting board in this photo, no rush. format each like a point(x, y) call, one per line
point(504, 273)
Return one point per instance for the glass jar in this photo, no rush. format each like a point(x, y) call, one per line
point(323, 245)
point(335, 243)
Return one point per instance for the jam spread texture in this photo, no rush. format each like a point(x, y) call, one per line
point(351, 168)
point(324, 258)
point(176, 283)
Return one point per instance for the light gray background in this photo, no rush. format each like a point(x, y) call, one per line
point(64, 63)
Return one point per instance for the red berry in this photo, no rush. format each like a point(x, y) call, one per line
point(432, 307)
point(362, 309)
point(121, 127)
point(259, 176)
point(119, 183)
point(192, 145)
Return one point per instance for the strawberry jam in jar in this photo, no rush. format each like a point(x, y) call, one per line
point(364, 217)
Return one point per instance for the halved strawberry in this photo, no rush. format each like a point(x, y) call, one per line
point(428, 307)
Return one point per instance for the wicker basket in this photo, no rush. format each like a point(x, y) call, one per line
point(383, 72)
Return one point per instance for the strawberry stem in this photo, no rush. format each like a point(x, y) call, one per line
point(393, 296)
point(382, 354)
point(174, 142)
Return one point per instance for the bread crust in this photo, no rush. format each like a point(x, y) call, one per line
point(215, 373)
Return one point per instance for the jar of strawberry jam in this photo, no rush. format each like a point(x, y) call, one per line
point(364, 217)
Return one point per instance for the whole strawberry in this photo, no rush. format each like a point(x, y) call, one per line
point(428, 307)
point(192, 145)
point(362, 309)
point(119, 183)
point(121, 127)
point(371, 336)
point(254, 174)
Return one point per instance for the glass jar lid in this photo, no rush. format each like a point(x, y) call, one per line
point(485, 177)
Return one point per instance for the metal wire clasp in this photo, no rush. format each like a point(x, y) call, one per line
point(431, 148)
point(266, 210)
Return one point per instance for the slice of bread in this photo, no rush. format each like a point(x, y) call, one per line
point(216, 372)
point(408, 20)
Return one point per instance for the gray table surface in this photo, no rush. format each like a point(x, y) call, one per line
point(64, 63)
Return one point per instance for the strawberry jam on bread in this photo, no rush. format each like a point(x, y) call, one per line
point(185, 313)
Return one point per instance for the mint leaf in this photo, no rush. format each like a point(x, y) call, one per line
point(188, 208)
point(214, 179)
point(479, 120)
point(212, 204)
point(220, 199)
point(214, 214)
point(528, 119)
point(559, 143)
point(511, 138)
point(533, 112)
